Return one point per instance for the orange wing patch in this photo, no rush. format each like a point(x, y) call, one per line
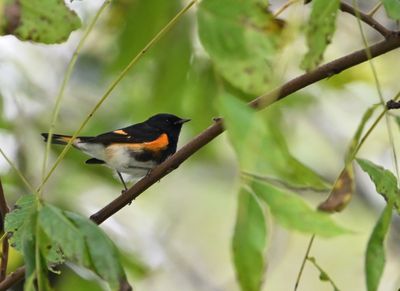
point(120, 131)
point(65, 138)
point(158, 144)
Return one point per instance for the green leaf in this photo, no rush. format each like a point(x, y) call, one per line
point(392, 8)
point(384, 180)
point(293, 212)
point(29, 284)
point(19, 223)
point(249, 242)
point(375, 255)
point(51, 252)
point(41, 267)
point(242, 38)
point(64, 234)
point(28, 251)
point(103, 253)
point(320, 29)
point(260, 146)
point(82, 242)
point(46, 21)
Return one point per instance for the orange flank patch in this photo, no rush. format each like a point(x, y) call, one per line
point(120, 131)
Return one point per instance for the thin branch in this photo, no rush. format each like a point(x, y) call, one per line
point(303, 263)
point(67, 76)
point(4, 209)
point(366, 18)
point(375, 9)
point(284, 7)
point(322, 72)
point(325, 275)
point(18, 172)
point(12, 278)
point(4, 254)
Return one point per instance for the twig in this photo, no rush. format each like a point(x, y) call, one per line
point(12, 278)
point(284, 7)
point(323, 273)
point(366, 18)
point(322, 72)
point(4, 254)
point(375, 9)
point(303, 263)
point(4, 209)
point(67, 76)
point(18, 172)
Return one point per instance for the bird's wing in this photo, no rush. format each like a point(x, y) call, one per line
point(138, 135)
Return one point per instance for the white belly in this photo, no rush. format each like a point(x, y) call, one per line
point(120, 158)
point(117, 157)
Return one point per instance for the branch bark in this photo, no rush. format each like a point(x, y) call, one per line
point(366, 18)
point(13, 278)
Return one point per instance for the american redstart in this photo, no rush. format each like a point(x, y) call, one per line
point(133, 150)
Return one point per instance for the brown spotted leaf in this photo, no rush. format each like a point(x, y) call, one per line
point(341, 193)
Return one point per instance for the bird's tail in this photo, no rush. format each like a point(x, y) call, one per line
point(57, 138)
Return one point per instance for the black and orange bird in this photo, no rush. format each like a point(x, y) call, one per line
point(134, 150)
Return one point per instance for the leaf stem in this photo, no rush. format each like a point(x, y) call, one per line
point(66, 79)
point(20, 175)
point(124, 72)
point(284, 7)
point(275, 181)
point(322, 272)
point(303, 263)
point(375, 9)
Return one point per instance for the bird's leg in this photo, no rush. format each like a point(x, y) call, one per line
point(123, 182)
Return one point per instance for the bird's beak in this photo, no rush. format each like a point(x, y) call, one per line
point(182, 121)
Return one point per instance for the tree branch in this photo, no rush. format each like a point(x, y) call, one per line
point(261, 102)
point(12, 278)
point(390, 43)
point(366, 18)
point(4, 254)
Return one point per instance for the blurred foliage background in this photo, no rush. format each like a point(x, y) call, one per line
point(177, 235)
